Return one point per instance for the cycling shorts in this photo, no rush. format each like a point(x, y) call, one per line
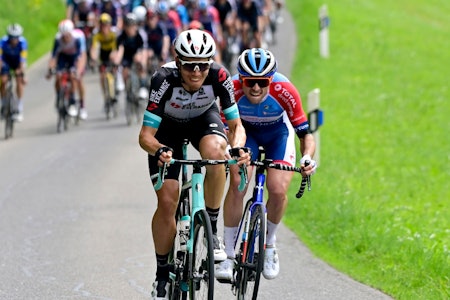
point(66, 62)
point(8, 67)
point(173, 134)
point(278, 142)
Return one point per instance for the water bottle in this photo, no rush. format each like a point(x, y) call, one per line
point(185, 226)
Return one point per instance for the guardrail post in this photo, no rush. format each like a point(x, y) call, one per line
point(324, 23)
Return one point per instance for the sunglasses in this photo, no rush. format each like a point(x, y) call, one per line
point(261, 81)
point(192, 66)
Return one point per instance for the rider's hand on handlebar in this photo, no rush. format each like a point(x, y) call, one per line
point(242, 154)
point(164, 155)
point(310, 168)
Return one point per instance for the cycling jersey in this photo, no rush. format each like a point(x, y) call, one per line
point(173, 24)
point(179, 114)
point(155, 37)
point(107, 42)
point(210, 20)
point(168, 98)
point(131, 45)
point(249, 14)
point(68, 52)
point(273, 121)
point(11, 56)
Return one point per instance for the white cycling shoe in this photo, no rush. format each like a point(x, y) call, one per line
point(72, 111)
point(271, 263)
point(224, 270)
point(83, 114)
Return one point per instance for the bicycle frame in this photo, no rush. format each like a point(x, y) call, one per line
point(250, 242)
point(187, 277)
point(63, 95)
point(257, 199)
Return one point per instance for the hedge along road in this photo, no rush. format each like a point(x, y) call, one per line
point(76, 208)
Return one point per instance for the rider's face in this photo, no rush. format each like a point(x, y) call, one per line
point(256, 88)
point(193, 72)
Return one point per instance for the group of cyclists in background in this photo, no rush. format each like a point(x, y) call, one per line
point(137, 35)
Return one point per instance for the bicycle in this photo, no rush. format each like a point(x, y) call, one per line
point(9, 108)
point(192, 256)
point(63, 98)
point(136, 96)
point(250, 242)
point(110, 93)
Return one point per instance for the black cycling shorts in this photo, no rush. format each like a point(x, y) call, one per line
point(173, 134)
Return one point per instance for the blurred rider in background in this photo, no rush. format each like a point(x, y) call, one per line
point(13, 58)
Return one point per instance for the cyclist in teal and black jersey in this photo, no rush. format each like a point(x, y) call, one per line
point(183, 105)
point(13, 54)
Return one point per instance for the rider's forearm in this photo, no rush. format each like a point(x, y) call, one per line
point(308, 145)
point(237, 136)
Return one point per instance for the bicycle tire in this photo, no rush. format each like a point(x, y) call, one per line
point(8, 114)
point(61, 123)
point(252, 259)
point(201, 279)
point(178, 290)
point(108, 95)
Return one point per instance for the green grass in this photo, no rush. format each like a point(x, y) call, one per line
point(379, 209)
point(39, 18)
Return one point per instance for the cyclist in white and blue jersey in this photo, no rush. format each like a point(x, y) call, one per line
point(271, 111)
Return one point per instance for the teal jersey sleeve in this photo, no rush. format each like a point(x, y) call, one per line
point(231, 112)
point(151, 120)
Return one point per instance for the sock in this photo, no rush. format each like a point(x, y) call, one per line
point(162, 266)
point(229, 235)
point(19, 105)
point(213, 216)
point(271, 230)
point(81, 103)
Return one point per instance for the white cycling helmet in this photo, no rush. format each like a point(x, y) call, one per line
point(195, 43)
point(173, 3)
point(65, 26)
point(14, 30)
point(140, 12)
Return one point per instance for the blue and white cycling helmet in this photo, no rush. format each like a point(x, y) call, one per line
point(257, 62)
point(163, 7)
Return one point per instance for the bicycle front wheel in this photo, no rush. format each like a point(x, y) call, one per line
point(252, 256)
point(61, 123)
point(201, 281)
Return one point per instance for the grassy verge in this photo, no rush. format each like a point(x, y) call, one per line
point(379, 208)
point(39, 18)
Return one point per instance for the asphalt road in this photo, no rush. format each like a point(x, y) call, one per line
point(76, 207)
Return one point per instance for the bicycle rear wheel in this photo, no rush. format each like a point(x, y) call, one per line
point(251, 257)
point(201, 281)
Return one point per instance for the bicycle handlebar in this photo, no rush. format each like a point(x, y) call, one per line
point(202, 163)
point(306, 181)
